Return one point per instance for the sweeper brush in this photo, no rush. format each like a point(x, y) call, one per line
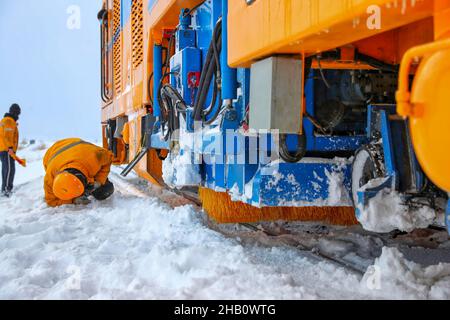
point(220, 207)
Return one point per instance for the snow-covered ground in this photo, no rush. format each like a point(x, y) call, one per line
point(146, 243)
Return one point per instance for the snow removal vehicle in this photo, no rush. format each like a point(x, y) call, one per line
point(312, 110)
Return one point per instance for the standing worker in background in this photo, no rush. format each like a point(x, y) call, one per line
point(76, 169)
point(9, 141)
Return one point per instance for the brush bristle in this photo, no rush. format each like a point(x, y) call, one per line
point(222, 209)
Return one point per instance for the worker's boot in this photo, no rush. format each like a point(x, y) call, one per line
point(6, 194)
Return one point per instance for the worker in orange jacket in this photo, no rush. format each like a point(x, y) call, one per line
point(76, 169)
point(9, 140)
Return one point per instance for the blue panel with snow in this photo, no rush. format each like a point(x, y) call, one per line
point(311, 182)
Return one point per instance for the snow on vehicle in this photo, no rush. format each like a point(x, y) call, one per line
point(284, 109)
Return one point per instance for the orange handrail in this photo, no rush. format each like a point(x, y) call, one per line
point(403, 95)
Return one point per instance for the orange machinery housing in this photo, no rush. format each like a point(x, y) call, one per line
point(386, 31)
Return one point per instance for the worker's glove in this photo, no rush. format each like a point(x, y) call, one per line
point(83, 200)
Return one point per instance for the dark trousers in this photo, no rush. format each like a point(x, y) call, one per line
point(8, 171)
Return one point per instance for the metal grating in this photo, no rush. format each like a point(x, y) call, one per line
point(137, 25)
point(117, 49)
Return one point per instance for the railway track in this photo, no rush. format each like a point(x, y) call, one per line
point(311, 239)
point(308, 252)
point(314, 253)
point(307, 243)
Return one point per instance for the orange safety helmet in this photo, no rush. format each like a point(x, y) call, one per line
point(68, 185)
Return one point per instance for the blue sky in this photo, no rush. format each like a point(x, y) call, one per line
point(50, 70)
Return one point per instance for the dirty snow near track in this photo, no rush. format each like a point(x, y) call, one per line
point(146, 243)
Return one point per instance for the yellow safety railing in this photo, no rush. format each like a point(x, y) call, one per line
point(403, 96)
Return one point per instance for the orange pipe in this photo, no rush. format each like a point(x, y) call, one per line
point(403, 96)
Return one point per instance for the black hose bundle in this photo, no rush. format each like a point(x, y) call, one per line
point(211, 69)
point(172, 103)
point(292, 157)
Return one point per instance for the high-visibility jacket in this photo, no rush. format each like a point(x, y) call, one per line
point(9, 134)
point(93, 161)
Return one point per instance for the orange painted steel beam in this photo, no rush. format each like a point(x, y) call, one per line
point(269, 27)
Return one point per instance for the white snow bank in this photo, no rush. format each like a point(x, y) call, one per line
point(33, 154)
point(337, 192)
point(130, 247)
point(398, 278)
point(386, 213)
point(133, 246)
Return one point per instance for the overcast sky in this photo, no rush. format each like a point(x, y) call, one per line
point(52, 71)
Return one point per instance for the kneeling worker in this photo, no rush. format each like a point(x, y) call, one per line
point(76, 169)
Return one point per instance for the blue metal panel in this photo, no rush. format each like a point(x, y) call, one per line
point(236, 160)
point(303, 184)
point(157, 75)
point(336, 143)
point(241, 172)
point(308, 127)
point(219, 172)
point(387, 144)
point(447, 217)
point(185, 39)
point(373, 118)
point(236, 177)
point(207, 174)
point(229, 75)
point(205, 18)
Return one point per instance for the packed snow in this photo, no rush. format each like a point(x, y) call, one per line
point(147, 243)
point(180, 170)
point(386, 212)
point(403, 279)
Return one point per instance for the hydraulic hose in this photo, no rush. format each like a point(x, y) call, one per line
point(210, 69)
point(172, 103)
point(292, 157)
point(217, 91)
